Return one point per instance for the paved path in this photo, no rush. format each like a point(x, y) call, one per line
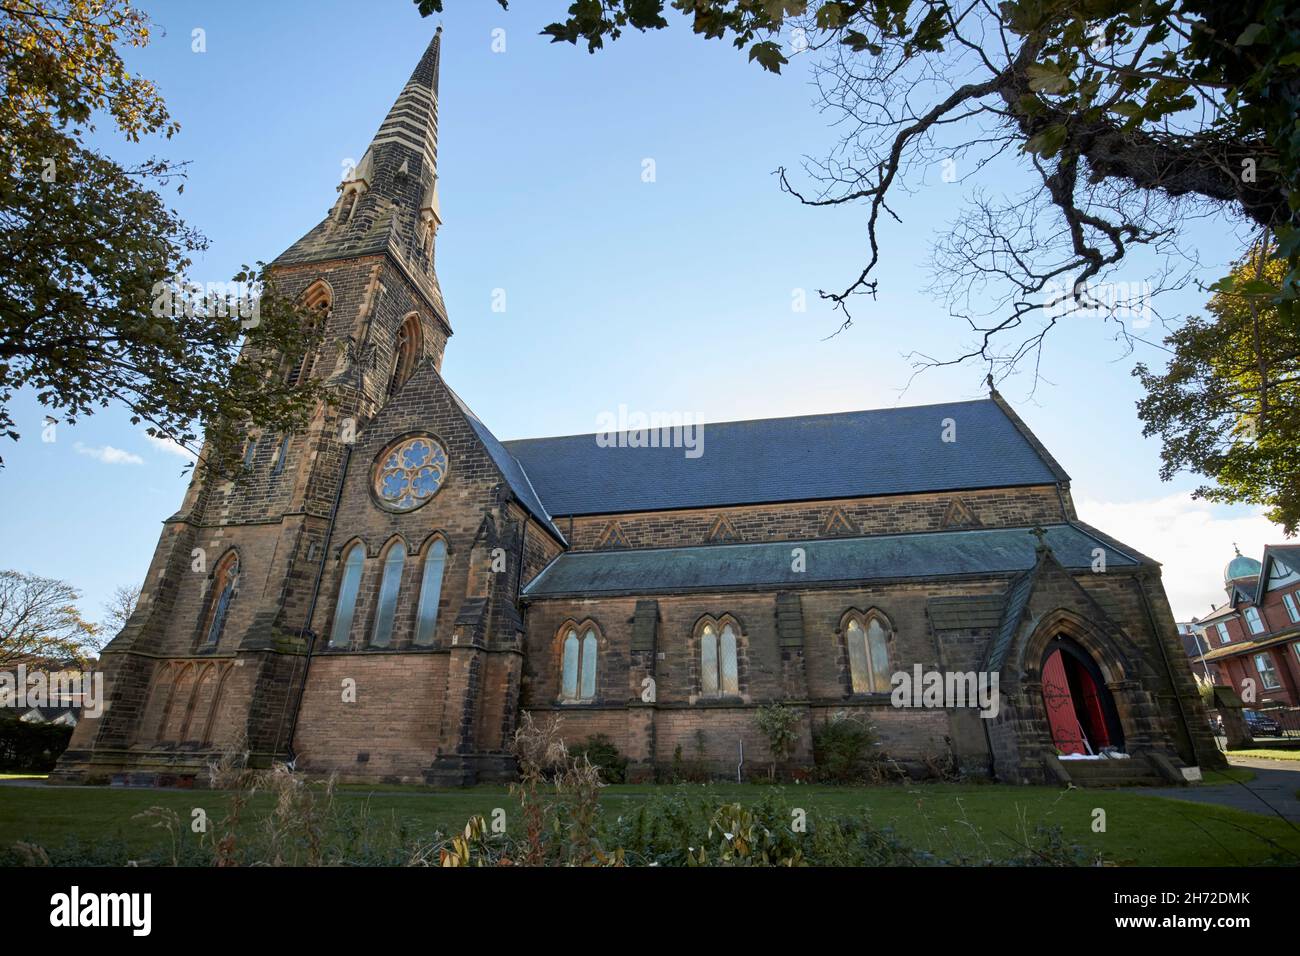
point(1273, 791)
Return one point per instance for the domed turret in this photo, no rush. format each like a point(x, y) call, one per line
point(1240, 568)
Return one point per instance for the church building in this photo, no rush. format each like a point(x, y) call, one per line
point(394, 587)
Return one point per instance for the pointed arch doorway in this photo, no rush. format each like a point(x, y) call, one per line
point(1081, 714)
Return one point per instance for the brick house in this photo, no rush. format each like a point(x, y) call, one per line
point(1252, 642)
point(395, 586)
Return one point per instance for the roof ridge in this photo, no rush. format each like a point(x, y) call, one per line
point(773, 418)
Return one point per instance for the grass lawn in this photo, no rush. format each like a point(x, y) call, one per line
point(942, 818)
point(1265, 753)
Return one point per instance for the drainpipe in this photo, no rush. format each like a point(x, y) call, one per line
point(1169, 670)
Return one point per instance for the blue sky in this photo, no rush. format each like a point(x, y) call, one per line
point(673, 295)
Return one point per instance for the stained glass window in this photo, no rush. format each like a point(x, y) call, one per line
point(430, 593)
point(353, 562)
point(410, 473)
point(389, 585)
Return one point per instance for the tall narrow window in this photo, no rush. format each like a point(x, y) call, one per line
point(407, 351)
point(719, 659)
point(578, 665)
point(250, 450)
point(389, 585)
point(349, 585)
point(859, 663)
point(587, 684)
point(317, 301)
point(709, 660)
point(224, 580)
point(1223, 632)
point(867, 640)
point(1292, 611)
point(1254, 621)
point(435, 562)
point(281, 455)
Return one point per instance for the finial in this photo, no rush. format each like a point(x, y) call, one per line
point(1237, 549)
point(1039, 532)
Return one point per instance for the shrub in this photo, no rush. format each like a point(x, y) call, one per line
point(28, 747)
point(845, 750)
point(605, 757)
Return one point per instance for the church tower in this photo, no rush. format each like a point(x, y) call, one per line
point(217, 648)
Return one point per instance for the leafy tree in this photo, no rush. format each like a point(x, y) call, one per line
point(92, 256)
point(40, 623)
point(1228, 403)
point(1130, 117)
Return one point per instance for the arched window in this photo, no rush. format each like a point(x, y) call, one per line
point(719, 665)
point(349, 585)
point(578, 668)
point(317, 302)
point(389, 584)
point(426, 618)
point(867, 639)
point(407, 352)
point(224, 580)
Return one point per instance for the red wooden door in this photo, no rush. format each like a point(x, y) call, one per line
point(1061, 718)
point(1098, 736)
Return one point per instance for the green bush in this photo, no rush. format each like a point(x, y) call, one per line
point(28, 747)
point(844, 750)
point(605, 757)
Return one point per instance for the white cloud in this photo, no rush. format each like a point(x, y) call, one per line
point(169, 446)
point(1192, 539)
point(108, 455)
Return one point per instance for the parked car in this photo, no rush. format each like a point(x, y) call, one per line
point(1261, 725)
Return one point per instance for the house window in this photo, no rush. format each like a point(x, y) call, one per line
point(426, 618)
point(1253, 621)
point(867, 639)
point(224, 580)
point(578, 669)
point(1267, 672)
point(349, 585)
point(1223, 632)
point(719, 667)
point(389, 584)
point(1291, 610)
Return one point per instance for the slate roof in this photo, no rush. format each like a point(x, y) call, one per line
point(827, 561)
point(1016, 601)
point(811, 457)
point(510, 469)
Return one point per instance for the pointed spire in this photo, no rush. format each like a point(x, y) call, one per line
point(412, 123)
